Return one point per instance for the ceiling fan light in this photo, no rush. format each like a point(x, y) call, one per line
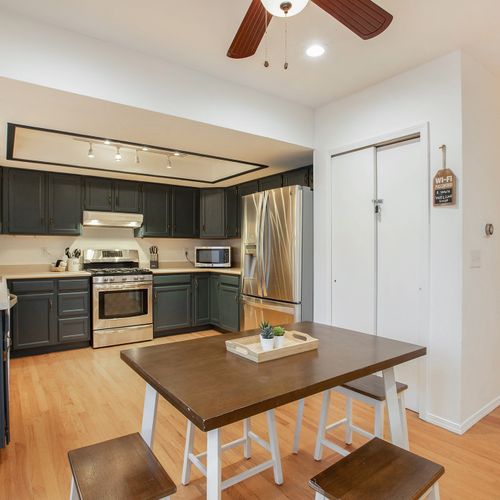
point(315, 50)
point(275, 8)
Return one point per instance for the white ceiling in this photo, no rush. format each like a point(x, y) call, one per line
point(198, 33)
point(32, 105)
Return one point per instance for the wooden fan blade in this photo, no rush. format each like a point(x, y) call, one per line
point(251, 31)
point(362, 17)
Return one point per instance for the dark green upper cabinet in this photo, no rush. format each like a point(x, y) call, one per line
point(232, 212)
point(24, 205)
point(273, 182)
point(127, 197)
point(98, 194)
point(185, 212)
point(64, 204)
point(298, 177)
point(248, 188)
point(156, 209)
point(212, 202)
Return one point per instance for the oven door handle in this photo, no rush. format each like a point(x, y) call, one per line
point(113, 287)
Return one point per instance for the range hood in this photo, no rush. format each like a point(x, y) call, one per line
point(112, 219)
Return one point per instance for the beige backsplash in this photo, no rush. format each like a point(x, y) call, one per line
point(32, 250)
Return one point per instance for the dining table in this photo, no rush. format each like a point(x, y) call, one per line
point(213, 387)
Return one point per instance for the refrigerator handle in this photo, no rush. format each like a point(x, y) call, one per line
point(264, 243)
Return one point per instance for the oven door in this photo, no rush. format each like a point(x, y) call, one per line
point(124, 304)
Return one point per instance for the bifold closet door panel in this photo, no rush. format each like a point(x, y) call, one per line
point(353, 240)
point(402, 249)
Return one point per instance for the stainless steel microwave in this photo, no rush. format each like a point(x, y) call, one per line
point(212, 257)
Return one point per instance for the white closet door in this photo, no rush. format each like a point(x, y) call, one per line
point(402, 248)
point(353, 241)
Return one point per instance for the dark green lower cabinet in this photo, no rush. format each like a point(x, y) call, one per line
point(49, 313)
point(201, 283)
point(214, 299)
point(35, 321)
point(198, 299)
point(229, 310)
point(172, 307)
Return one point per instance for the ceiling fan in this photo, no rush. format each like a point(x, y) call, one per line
point(363, 17)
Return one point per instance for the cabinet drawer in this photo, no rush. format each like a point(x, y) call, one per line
point(228, 280)
point(31, 286)
point(73, 304)
point(172, 279)
point(74, 329)
point(73, 285)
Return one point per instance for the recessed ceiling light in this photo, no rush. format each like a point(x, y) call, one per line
point(315, 50)
point(90, 154)
point(118, 156)
point(107, 141)
point(177, 153)
point(144, 148)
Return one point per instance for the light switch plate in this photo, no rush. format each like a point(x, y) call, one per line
point(475, 259)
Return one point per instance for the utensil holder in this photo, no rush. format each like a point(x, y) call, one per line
point(153, 261)
point(73, 265)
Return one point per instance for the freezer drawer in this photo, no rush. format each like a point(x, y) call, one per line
point(254, 311)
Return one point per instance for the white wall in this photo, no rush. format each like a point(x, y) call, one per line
point(430, 93)
point(45, 55)
point(481, 202)
point(33, 250)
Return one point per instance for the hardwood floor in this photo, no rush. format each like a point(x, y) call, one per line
point(65, 400)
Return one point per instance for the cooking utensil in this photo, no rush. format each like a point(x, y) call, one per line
point(67, 252)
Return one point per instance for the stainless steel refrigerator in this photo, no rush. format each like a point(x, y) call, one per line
point(277, 257)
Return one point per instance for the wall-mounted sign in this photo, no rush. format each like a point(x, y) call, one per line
point(445, 185)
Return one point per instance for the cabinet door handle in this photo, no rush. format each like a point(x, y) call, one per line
point(203, 228)
point(196, 283)
point(50, 304)
point(110, 199)
point(156, 296)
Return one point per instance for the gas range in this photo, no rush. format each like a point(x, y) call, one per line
point(121, 297)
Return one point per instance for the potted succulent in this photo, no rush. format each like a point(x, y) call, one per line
point(266, 336)
point(279, 336)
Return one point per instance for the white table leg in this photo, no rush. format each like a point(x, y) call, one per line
point(186, 466)
point(318, 449)
point(274, 445)
point(214, 480)
point(404, 423)
point(247, 446)
point(348, 424)
point(149, 415)
point(298, 426)
point(391, 397)
point(379, 419)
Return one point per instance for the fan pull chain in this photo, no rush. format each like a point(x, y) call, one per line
point(285, 66)
point(266, 61)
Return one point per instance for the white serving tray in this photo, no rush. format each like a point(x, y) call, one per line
point(294, 343)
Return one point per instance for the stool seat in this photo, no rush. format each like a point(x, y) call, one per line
point(122, 468)
point(372, 386)
point(378, 471)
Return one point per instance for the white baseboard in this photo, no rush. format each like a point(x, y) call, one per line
point(462, 428)
point(476, 417)
point(449, 425)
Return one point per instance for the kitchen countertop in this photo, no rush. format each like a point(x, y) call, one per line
point(42, 271)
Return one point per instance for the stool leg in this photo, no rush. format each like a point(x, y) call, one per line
point(348, 424)
point(247, 447)
point(319, 496)
point(188, 448)
point(379, 420)
point(149, 415)
point(298, 426)
point(320, 436)
point(73, 494)
point(274, 445)
point(404, 423)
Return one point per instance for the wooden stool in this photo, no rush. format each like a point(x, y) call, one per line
point(369, 390)
point(272, 446)
point(378, 471)
point(122, 468)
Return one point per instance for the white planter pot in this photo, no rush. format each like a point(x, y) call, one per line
point(267, 344)
point(279, 341)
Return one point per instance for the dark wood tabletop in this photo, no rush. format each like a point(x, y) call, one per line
point(213, 387)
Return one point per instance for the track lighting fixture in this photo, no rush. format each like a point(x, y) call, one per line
point(169, 162)
point(118, 156)
point(90, 154)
